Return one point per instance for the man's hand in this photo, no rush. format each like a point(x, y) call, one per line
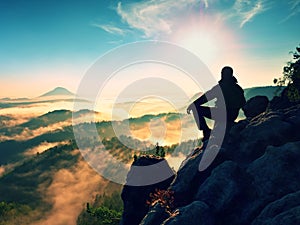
point(190, 108)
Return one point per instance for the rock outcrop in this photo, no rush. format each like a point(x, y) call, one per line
point(255, 106)
point(140, 184)
point(254, 179)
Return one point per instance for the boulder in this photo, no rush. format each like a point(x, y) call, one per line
point(285, 100)
point(194, 172)
point(156, 215)
point(290, 217)
point(255, 106)
point(275, 175)
point(196, 213)
point(235, 131)
point(285, 208)
point(292, 116)
point(219, 190)
point(266, 129)
point(186, 181)
point(135, 197)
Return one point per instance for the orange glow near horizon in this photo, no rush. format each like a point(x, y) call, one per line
point(206, 36)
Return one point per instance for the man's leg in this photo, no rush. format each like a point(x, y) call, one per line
point(232, 115)
point(199, 114)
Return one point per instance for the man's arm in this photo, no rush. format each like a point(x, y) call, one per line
point(206, 97)
point(201, 100)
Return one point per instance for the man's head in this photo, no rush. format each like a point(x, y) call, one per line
point(226, 73)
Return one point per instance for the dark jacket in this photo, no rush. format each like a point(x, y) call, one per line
point(233, 95)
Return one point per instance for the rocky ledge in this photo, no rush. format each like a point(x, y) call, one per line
point(253, 180)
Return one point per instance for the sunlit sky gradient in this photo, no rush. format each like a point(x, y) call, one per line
point(44, 45)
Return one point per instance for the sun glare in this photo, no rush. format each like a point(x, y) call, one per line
point(201, 44)
point(208, 38)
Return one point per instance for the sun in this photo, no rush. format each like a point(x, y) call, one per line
point(202, 44)
point(206, 37)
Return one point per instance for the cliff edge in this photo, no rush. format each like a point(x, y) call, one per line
point(253, 180)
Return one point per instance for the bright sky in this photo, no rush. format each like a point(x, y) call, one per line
point(44, 45)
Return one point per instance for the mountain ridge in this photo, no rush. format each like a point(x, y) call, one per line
point(58, 91)
point(269, 91)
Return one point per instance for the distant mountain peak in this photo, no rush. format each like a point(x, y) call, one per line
point(58, 91)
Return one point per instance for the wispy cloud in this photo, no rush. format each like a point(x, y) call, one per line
point(155, 17)
point(246, 10)
point(110, 29)
point(43, 147)
point(70, 189)
point(295, 7)
point(118, 42)
point(294, 10)
point(205, 3)
point(158, 17)
point(2, 170)
point(295, 4)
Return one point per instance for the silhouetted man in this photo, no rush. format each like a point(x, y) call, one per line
point(233, 96)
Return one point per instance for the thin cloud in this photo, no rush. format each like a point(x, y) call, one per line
point(246, 10)
point(69, 192)
point(154, 17)
point(158, 17)
point(110, 29)
point(118, 42)
point(29, 134)
point(43, 147)
point(205, 3)
point(294, 10)
point(295, 5)
point(2, 170)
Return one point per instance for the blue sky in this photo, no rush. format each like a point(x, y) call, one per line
point(43, 45)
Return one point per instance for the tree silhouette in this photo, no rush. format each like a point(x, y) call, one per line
point(291, 77)
point(160, 151)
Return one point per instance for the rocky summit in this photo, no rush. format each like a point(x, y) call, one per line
point(254, 180)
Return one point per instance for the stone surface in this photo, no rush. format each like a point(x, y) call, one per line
point(275, 175)
point(135, 197)
point(267, 129)
point(254, 180)
point(196, 213)
point(183, 185)
point(280, 210)
point(220, 189)
point(255, 106)
point(156, 215)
